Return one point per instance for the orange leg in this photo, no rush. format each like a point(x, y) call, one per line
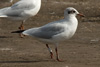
point(11, 3)
point(57, 56)
point(51, 54)
point(21, 28)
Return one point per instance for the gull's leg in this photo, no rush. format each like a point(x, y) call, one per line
point(57, 56)
point(12, 2)
point(51, 54)
point(21, 28)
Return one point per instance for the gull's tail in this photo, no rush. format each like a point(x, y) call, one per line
point(19, 31)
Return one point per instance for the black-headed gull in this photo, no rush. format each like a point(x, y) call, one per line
point(22, 10)
point(56, 31)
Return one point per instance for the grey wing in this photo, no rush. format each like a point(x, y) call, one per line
point(23, 5)
point(48, 32)
point(20, 7)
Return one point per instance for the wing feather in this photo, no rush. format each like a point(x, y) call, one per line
point(45, 32)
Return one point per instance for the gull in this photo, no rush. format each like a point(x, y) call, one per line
point(57, 31)
point(22, 10)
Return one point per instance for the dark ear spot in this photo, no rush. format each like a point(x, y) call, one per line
point(69, 12)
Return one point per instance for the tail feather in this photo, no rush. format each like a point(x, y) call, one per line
point(19, 31)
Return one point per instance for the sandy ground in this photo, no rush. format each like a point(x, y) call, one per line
point(82, 50)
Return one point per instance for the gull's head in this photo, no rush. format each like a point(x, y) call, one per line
point(70, 11)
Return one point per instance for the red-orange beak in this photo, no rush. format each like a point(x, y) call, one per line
point(81, 15)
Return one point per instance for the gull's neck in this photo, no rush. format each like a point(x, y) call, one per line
point(71, 20)
point(72, 23)
point(69, 16)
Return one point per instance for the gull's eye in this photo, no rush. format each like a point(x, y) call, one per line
point(73, 11)
point(70, 12)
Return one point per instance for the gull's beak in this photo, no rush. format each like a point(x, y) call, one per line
point(81, 15)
